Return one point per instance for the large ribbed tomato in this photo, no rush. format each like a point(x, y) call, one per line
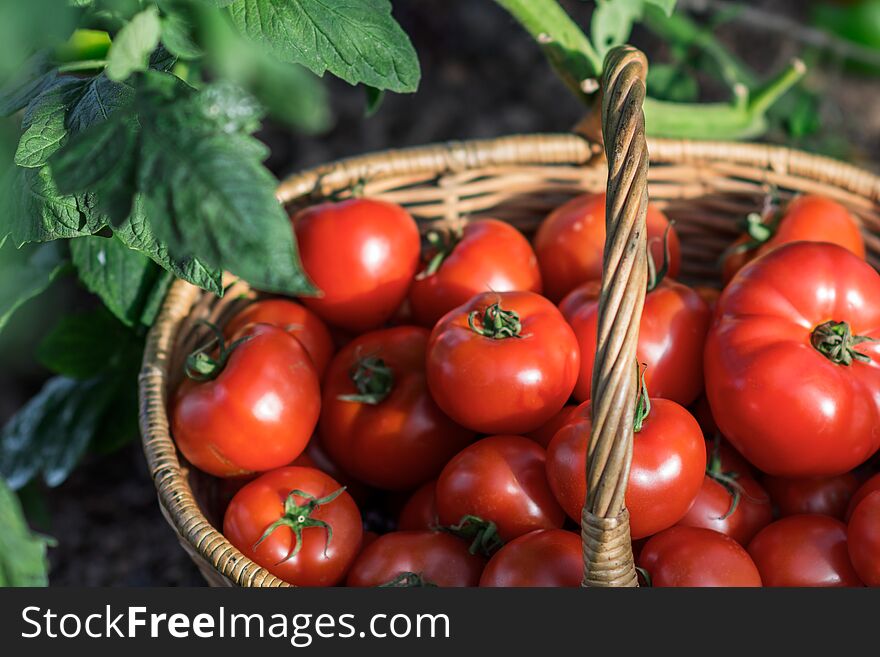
point(542, 558)
point(362, 254)
point(251, 408)
point(378, 421)
point(792, 368)
point(486, 256)
point(570, 243)
point(672, 333)
point(503, 362)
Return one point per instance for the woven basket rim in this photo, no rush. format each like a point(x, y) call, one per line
point(173, 489)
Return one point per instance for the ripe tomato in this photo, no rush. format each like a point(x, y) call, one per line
point(256, 413)
point(298, 524)
point(502, 363)
point(693, 556)
point(297, 320)
point(828, 496)
point(668, 465)
point(487, 256)
point(789, 384)
point(708, 294)
point(866, 489)
point(671, 336)
point(362, 254)
point(420, 510)
point(378, 421)
point(314, 456)
point(542, 558)
point(804, 550)
point(863, 539)
point(735, 506)
point(730, 459)
point(500, 480)
point(571, 240)
point(544, 434)
point(808, 218)
point(416, 558)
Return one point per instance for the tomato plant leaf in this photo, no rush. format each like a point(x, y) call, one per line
point(613, 20)
point(132, 46)
point(25, 273)
point(666, 6)
point(84, 345)
point(358, 41)
point(374, 99)
point(22, 552)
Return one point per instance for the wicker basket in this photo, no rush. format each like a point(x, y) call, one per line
point(707, 187)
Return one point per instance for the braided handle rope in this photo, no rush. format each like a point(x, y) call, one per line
point(608, 559)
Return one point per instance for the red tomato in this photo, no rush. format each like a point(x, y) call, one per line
point(571, 240)
point(502, 480)
point(708, 294)
point(544, 434)
point(314, 456)
point(420, 511)
point(668, 465)
point(804, 550)
point(729, 459)
point(671, 336)
point(693, 556)
point(306, 540)
point(488, 256)
point(785, 378)
point(258, 411)
point(378, 421)
point(362, 254)
point(808, 218)
point(735, 506)
point(828, 496)
point(297, 320)
point(502, 363)
point(863, 539)
point(866, 489)
point(416, 558)
point(542, 558)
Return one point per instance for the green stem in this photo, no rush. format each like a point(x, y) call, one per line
point(407, 580)
point(483, 534)
point(498, 323)
point(643, 405)
point(200, 365)
point(373, 379)
point(836, 342)
point(85, 65)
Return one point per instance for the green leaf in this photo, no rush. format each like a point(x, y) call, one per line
point(22, 552)
point(44, 123)
point(17, 94)
point(131, 48)
point(177, 37)
point(374, 99)
point(82, 346)
point(358, 40)
point(25, 273)
point(669, 82)
point(667, 6)
point(291, 94)
point(613, 20)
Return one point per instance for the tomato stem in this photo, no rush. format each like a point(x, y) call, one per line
point(407, 579)
point(645, 575)
point(483, 534)
point(373, 379)
point(298, 517)
point(498, 324)
point(655, 277)
point(727, 479)
point(441, 243)
point(643, 404)
point(200, 366)
point(835, 341)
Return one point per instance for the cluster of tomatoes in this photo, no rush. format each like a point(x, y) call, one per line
point(445, 442)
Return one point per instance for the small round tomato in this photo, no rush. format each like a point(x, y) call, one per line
point(378, 421)
point(731, 505)
point(297, 320)
point(542, 558)
point(544, 434)
point(500, 480)
point(808, 218)
point(804, 550)
point(863, 539)
point(571, 241)
point(672, 332)
point(420, 510)
point(827, 496)
point(251, 408)
point(668, 465)
point(416, 558)
point(694, 556)
point(503, 362)
point(361, 254)
point(487, 255)
point(297, 523)
point(792, 381)
point(864, 490)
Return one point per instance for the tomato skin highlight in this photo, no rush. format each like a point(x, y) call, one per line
point(362, 254)
point(508, 385)
point(499, 479)
point(672, 333)
point(828, 496)
point(804, 550)
point(753, 511)
point(789, 409)
point(261, 502)
point(571, 240)
point(440, 558)
point(863, 539)
point(297, 320)
point(491, 256)
point(403, 440)
point(666, 475)
point(542, 558)
point(420, 510)
point(694, 556)
point(257, 414)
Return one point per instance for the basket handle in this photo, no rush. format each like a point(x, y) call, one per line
point(608, 558)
